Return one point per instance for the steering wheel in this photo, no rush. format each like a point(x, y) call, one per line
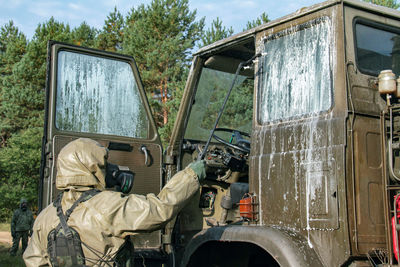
point(241, 145)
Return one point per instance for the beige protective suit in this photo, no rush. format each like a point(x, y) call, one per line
point(105, 219)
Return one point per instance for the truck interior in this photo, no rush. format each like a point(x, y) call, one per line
point(227, 156)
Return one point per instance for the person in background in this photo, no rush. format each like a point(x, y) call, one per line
point(21, 226)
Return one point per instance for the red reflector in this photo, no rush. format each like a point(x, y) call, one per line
point(247, 207)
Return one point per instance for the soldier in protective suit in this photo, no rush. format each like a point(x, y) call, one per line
point(21, 226)
point(106, 219)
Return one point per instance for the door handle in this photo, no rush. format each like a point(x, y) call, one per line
point(143, 149)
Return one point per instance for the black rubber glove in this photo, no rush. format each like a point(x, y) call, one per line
point(199, 167)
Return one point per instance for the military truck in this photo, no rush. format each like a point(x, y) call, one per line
point(302, 149)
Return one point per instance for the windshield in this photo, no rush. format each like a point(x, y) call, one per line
point(211, 91)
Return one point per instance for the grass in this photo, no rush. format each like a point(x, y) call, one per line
point(7, 260)
point(4, 227)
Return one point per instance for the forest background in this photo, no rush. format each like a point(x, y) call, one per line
point(160, 36)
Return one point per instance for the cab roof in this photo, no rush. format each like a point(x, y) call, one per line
point(390, 12)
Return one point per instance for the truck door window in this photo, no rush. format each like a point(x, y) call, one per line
point(377, 48)
point(98, 95)
point(297, 72)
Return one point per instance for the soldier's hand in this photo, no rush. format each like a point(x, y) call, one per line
point(13, 234)
point(199, 167)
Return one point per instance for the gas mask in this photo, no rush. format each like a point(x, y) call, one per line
point(24, 206)
point(119, 177)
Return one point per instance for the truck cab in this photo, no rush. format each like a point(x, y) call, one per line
point(302, 149)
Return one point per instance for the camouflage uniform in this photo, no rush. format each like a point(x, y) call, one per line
point(107, 218)
point(21, 226)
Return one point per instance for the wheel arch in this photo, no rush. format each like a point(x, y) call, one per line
point(286, 247)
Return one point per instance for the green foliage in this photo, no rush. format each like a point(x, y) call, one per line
point(19, 170)
point(160, 37)
point(386, 3)
point(21, 107)
point(263, 18)
point(215, 33)
point(12, 48)
point(111, 37)
point(84, 35)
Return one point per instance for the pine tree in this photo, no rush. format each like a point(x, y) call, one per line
point(111, 37)
point(386, 3)
point(263, 18)
point(160, 37)
point(12, 48)
point(172, 106)
point(215, 32)
point(84, 35)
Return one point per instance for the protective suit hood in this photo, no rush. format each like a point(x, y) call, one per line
point(81, 163)
point(23, 204)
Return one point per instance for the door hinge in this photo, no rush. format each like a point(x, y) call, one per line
point(48, 147)
point(169, 160)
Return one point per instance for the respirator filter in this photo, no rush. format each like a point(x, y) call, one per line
point(119, 177)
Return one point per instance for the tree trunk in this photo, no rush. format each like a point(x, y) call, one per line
point(164, 100)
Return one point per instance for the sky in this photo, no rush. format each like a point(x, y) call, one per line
point(27, 14)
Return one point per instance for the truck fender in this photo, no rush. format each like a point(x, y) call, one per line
point(287, 247)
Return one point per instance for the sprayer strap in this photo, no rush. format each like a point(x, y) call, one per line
point(84, 197)
point(64, 218)
point(67, 231)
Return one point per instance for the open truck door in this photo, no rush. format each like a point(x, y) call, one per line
point(99, 95)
